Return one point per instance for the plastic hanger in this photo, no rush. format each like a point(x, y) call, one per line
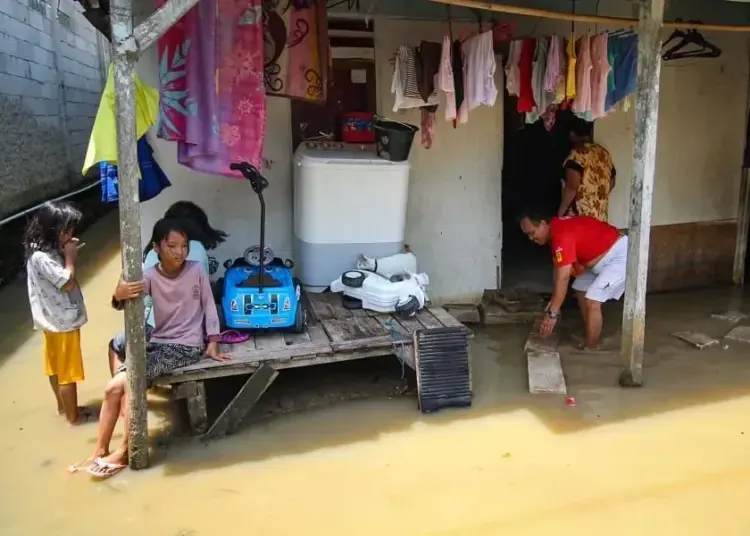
point(689, 37)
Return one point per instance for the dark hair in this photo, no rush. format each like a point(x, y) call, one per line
point(535, 215)
point(161, 231)
point(201, 228)
point(49, 221)
point(581, 127)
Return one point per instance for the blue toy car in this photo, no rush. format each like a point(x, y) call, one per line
point(258, 290)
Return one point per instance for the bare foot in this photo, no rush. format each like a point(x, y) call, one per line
point(84, 415)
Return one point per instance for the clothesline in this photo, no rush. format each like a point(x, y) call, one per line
point(592, 19)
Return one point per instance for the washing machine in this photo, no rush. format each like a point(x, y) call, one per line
point(347, 202)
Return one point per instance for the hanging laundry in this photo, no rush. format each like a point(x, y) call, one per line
point(404, 83)
point(296, 48)
point(232, 120)
point(611, 54)
point(599, 74)
point(624, 68)
point(428, 65)
point(428, 126)
point(570, 82)
point(582, 102)
point(153, 180)
point(173, 53)
point(479, 74)
point(554, 71)
point(103, 140)
point(457, 56)
point(445, 81)
point(526, 101)
point(512, 74)
point(542, 97)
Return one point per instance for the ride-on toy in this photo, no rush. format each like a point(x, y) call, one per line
point(258, 290)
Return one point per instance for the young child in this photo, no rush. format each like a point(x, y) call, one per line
point(57, 305)
point(186, 328)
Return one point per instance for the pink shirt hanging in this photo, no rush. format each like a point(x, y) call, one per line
point(599, 75)
point(445, 80)
point(582, 102)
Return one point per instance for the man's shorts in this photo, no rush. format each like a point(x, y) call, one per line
point(606, 280)
point(63, 357)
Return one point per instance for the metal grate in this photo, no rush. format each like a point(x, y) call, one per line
point(443, 368)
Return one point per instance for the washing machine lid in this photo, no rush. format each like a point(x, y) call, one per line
point(336, 153)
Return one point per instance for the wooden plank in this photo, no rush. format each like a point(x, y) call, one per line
point(641, 191)
point(699, 340)
point(197, 409)
point(320, 307)
point(243, 347)
point(233, 415)
point(352, 333)
point(444, 318)
point(160, 21)
point(297, 338)
point(545, 373)
point(410, 325)
point(270, 342)
point(319, 337)
point(428, 320)
point(334, 302)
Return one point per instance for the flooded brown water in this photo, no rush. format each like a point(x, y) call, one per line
point(672, 458)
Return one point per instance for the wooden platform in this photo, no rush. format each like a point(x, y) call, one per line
point(333, 334)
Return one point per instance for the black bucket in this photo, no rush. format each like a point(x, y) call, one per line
point(393, 140)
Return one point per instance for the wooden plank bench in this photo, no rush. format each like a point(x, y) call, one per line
point(334, 334)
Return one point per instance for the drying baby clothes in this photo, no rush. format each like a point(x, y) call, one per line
point(582, 103)
point(445, 81)
point(404, 83)
point(599, 75)
point(512, 75)
point(428, 64)
point(526, 102)
point(428, 126)
point(479, 74)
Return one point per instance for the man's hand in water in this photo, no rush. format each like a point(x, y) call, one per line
point(212, 352)
point(128, 290)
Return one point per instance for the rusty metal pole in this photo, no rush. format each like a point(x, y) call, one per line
point(125, 50)
point(641, 190)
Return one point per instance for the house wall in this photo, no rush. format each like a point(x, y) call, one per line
point(454, 220)
point(51, 79)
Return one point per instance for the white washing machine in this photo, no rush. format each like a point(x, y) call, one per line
point(347, 202)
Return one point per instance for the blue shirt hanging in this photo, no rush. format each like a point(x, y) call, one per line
point(153, 180)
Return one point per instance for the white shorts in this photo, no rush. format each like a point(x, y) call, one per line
point(606, 280)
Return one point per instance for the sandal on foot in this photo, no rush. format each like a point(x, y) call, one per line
point(82, 465)
point(102, 469)
point(233, 337)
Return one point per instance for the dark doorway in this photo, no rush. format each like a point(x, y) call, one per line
point(532, 175)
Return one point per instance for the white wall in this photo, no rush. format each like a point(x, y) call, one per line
point(701, 138)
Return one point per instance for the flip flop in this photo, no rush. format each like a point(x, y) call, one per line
point(232, 336)
point(80, 466)
point(102, 469)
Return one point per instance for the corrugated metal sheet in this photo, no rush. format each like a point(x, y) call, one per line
point(443, 368)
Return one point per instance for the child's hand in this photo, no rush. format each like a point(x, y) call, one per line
point(212, 352)
point(70, 249)
point(128, 290)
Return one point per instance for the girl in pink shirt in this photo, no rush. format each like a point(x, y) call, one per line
point(186, 329)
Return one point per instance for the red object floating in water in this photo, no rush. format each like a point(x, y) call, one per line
point(570, 402)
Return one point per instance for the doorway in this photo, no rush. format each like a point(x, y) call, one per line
point(532, 175)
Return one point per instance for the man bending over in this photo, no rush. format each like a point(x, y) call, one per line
point(592, 251)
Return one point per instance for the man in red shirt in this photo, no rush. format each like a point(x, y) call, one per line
point(592, 251)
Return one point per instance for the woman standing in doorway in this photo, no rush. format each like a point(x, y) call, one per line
point(590, 175)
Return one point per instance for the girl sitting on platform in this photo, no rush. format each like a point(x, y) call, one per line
point(186, 328)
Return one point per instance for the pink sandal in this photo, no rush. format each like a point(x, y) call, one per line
point(233, 337)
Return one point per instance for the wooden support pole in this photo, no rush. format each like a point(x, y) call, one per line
point(121, 15)
point(641, 190)
point(620, 22)
point(743, 226)
point(160, 21)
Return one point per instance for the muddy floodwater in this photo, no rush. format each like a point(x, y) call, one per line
point(672, 458)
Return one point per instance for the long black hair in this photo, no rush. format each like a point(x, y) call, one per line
point(201, 228)
point(49, 222)
point(161, 231)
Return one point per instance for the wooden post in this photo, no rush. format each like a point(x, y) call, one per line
point(743, 222)
point(121, 14)
point(641, 190)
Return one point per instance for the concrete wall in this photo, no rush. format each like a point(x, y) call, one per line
point(453, 221)
point(50, 85)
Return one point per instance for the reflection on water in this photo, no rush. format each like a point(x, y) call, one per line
point(672, 458)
